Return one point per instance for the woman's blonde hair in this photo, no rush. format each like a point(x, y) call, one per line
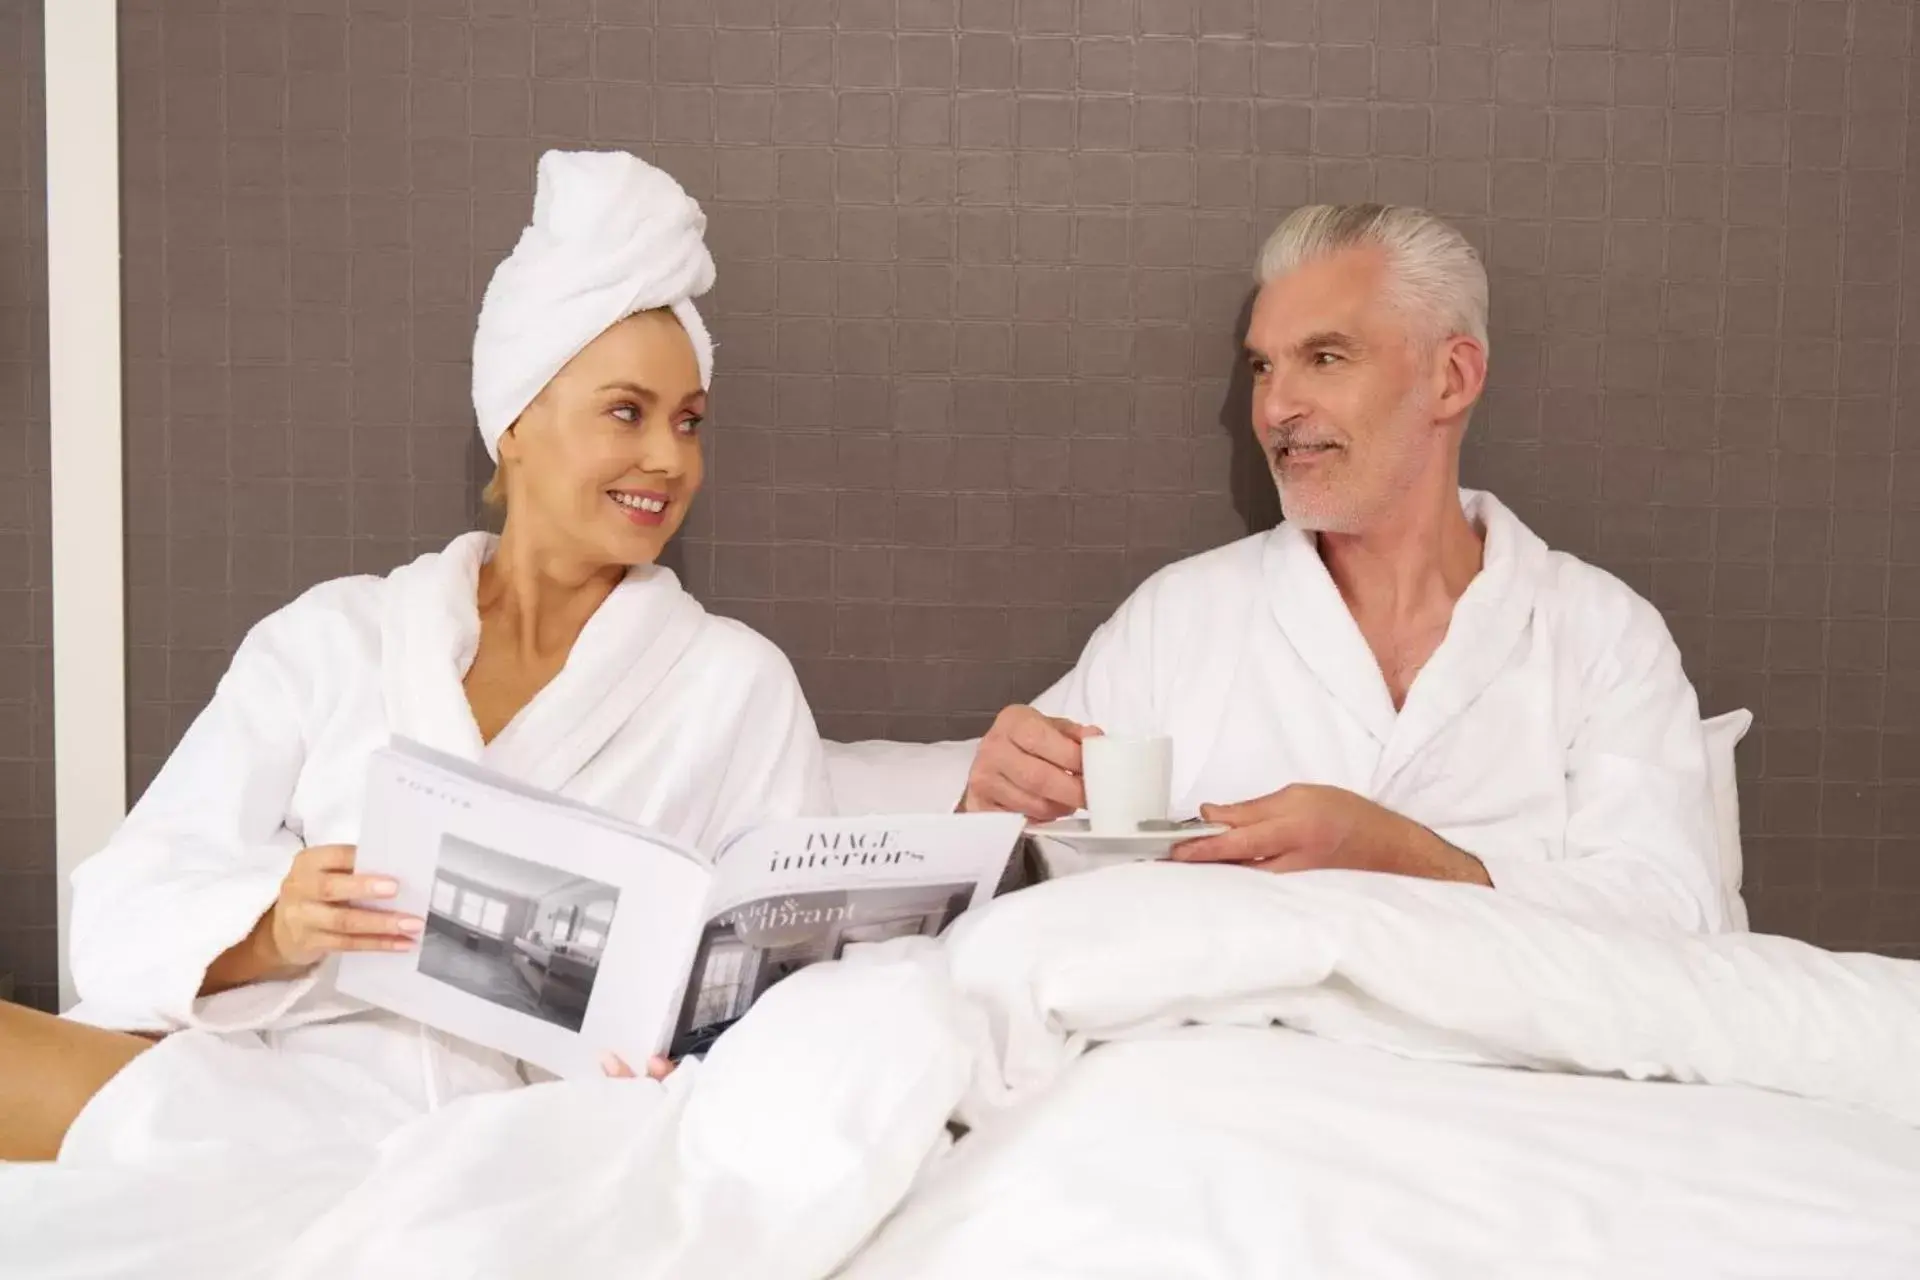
point(494, 495)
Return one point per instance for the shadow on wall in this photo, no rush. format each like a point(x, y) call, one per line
point(1254, 497)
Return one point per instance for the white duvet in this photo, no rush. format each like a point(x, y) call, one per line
point(1134, 1111)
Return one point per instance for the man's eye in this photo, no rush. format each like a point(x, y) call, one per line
point(1325, 358)
point(1260, 368)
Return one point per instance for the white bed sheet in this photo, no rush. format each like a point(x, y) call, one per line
point(1226, 1153)
point(1110, 1038)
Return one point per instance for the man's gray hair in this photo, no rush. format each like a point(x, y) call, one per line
point(1438, 277)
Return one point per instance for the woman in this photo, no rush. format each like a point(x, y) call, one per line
point(559, 654)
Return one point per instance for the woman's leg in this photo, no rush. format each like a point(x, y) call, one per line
point(49, 1069)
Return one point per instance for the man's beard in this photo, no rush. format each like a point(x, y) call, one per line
point(1360, 487)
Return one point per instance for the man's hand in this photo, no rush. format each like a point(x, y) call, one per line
point(1300, 828)
point(1028, 763)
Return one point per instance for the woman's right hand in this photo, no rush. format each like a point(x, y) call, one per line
point(311, 918)
point(315, 916)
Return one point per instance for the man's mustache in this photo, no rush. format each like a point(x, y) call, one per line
point(1294, 435)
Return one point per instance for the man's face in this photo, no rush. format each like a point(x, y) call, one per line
point(1344, 393)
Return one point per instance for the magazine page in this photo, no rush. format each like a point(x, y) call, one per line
point(553, 933)
point(790, 894)
point(513, 786)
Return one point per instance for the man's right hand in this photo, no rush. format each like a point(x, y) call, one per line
point(1028, 763)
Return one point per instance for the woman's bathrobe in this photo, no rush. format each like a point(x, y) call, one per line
point(663, 714)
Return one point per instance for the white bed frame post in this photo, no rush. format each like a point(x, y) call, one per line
point(83, 388)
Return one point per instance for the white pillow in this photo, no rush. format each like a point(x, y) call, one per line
point(874, 777)
point(1724, 733)
point(915, 777)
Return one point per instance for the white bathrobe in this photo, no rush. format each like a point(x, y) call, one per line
point(1553, 734)
point(663, 714)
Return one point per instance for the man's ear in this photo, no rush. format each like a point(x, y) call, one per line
point(1462, 376)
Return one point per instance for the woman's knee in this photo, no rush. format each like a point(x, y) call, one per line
point(50, 1069)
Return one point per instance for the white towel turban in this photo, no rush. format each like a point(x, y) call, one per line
point(611, 235)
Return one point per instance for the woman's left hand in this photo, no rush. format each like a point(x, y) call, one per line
point(658, 1068)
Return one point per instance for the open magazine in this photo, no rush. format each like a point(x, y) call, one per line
point(556, 932)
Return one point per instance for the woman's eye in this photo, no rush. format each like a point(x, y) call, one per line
point(690, 426)
point(627, 413)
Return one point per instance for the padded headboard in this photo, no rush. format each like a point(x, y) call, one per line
point(898, 777)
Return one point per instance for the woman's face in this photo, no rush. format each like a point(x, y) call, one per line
point(603, 463)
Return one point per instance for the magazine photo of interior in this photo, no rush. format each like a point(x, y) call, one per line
point(745, 951)
point(518, 934)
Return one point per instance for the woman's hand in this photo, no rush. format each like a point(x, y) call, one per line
point(312, 918)
point(658, 1068)
point(313, 915)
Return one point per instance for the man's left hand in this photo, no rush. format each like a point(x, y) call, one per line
point(1303, 828)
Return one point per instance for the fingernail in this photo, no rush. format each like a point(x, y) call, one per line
point(410, 925)
point(611, 1064)
point(385, 888)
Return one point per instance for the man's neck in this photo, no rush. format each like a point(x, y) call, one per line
point(1418, 561)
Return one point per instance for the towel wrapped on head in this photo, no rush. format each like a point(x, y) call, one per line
point(611, 235)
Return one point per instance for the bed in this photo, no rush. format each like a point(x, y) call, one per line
point(1143, 1071)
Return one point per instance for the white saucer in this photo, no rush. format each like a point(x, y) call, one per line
point(1153, 839)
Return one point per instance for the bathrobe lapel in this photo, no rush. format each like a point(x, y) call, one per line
point(1317, 623)
point(430, 631)
point(1488, 621)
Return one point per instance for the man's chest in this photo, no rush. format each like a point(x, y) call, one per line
point(1448, 757)
point(1402, 651)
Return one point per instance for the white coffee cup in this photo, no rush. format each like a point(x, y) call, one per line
point(1129, 781)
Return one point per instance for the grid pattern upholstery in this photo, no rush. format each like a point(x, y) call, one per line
point(982, 264)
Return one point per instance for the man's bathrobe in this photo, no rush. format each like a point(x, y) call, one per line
point(663, 714)
point(1553, 734)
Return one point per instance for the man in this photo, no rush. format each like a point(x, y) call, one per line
point(1401, 677)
